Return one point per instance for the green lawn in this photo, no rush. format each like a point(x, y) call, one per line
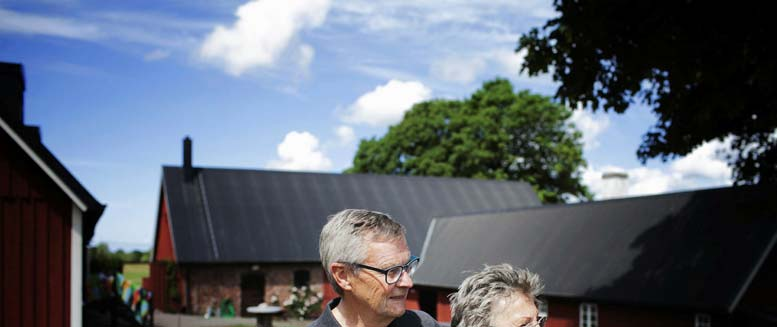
point(134, 272)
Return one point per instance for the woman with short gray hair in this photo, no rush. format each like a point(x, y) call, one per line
point(497, 296)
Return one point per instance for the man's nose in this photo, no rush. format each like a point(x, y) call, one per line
point(405, 280)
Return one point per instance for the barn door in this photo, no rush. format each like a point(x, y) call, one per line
point(251, 290)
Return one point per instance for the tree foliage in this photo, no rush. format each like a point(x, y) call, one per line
point(101, 259)
point(495, 134)
point(706, 68)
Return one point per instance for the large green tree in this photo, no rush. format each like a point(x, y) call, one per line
point(494, 134)
point(708, 70)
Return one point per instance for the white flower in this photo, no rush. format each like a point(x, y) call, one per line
point(304, 288)
point(320, 295)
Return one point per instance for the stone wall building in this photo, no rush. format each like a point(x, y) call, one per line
point(245, 235)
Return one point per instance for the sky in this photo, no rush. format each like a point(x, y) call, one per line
point(115, 86)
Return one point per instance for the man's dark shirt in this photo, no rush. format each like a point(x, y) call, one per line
point(411, 318)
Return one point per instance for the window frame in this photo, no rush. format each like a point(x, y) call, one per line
point(588, 315)
point(702, 320)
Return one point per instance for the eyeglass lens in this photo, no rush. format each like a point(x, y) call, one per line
point(395, 273)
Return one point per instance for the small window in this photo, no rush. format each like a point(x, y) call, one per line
point(589, 316)
point(301, 278)
point(702, 320)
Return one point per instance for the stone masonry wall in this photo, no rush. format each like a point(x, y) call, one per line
point(209, 284)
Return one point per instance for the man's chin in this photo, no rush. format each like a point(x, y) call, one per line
point(397, 313)
point(396, 309)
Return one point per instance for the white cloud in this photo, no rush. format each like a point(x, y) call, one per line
point(509, 60)
point(263, 32)
point(345, 134)
point(305, 56)
point(702, 168)
point(383, 72)
point(415, 15)
point(300, 151)
point(16, 22)
point(591, 125)
point(157, 54)
point(386, 104)
point(467, 68)
point(706, 161)
point(457, 69)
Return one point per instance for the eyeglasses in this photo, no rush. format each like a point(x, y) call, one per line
point(393, 274)
point(539, 323)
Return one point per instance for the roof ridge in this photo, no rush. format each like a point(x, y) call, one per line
point(260, 170)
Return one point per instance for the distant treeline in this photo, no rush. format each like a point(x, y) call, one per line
point(101, 259)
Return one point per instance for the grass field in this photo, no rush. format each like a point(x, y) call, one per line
point(135, 272)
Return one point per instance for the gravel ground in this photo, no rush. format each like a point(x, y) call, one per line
point(162, 319)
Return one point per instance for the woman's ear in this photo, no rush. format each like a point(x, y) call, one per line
point(341, 274)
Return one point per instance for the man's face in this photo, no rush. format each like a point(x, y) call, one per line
point(514, 311)
point(370, 287)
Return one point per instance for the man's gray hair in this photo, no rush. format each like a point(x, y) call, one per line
point(471, 305)
point(343, 237)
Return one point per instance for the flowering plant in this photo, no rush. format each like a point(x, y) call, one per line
point(303, 303)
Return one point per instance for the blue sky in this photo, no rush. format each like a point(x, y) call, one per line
point(275, 84)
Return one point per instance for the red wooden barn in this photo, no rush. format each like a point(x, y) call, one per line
point(46, 220)
point(246, 235)
point(694, 259)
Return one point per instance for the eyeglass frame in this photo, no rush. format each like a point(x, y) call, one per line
point(413, 259)
point(540, 322)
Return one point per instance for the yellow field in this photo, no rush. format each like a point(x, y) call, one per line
point(135, 272)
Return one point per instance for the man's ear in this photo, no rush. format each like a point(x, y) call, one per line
point(341, 274)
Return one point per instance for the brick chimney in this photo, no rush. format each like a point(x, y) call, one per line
point(188, 171)
point(12, 94)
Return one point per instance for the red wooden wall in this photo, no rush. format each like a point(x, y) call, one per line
point(443, 307)
point(35, 218)
point(164, 242)
point(163, 253)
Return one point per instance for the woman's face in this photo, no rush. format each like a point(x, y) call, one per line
point(517, 310)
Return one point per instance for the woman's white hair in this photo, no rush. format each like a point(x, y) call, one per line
point(344, 235)
point(471, 305)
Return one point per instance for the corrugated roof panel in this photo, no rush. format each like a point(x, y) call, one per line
point(273, 216)
point(692, 249)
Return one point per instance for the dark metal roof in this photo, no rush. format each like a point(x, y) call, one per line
point(694, 249)
point(232, 215)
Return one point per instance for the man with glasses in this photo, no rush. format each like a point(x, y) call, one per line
point(368, 263)
point(498, 296)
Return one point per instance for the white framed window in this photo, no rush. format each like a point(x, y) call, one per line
point(589, 315)
point(702, 320)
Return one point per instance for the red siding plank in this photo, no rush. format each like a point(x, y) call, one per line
point(55, 279)
point(562, 314)
point(2, 255)
point(164, 250)
point(41, 271)
point(20, 181)
point(5, 170)
point(11, 263)
point(66, 233)
point(443, 306)
point(28, 299)
point(412, 303)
